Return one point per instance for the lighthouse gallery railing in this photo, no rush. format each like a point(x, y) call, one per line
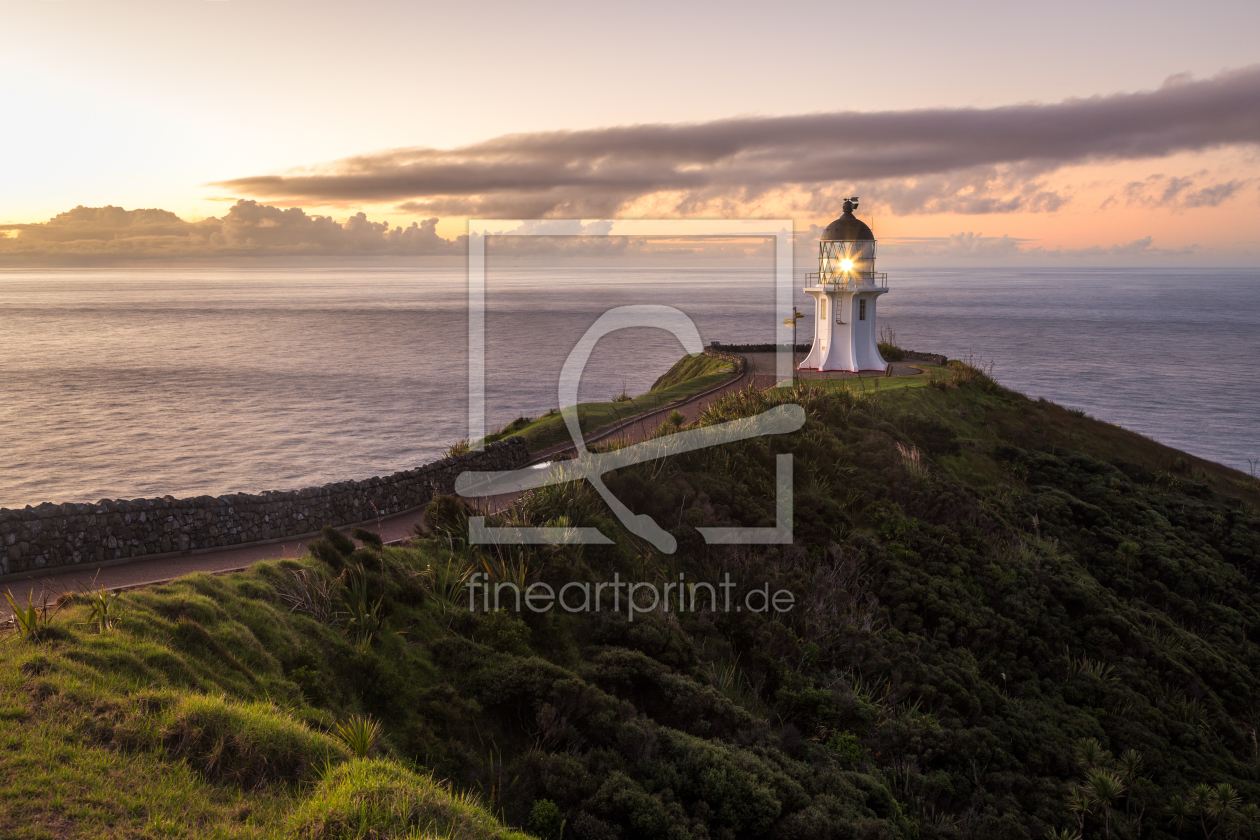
point(849, 279)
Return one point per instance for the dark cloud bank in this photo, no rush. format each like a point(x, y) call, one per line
point(925, 161)
point(961, 160)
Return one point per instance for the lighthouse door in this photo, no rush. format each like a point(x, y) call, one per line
point(822, 332)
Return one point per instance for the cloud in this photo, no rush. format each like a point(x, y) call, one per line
point(963, 160)
point(969, 246)
point(248, 229)
point(1179, 192)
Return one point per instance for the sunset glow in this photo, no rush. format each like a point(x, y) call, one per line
point(1150, 136)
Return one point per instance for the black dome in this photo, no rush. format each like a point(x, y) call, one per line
point(848, 227)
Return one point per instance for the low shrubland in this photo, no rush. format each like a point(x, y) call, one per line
point(1009, 621)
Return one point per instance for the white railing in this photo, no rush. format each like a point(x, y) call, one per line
point(848, 279)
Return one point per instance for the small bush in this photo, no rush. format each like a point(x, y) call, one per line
point(365, 616)
point(940, 379)
point(444, 581)
point(505, 633)
point(339, 541)
point(309, 593)
point(447, 516)
point(887, 344)
point(31, 621)
point(370, 539)
point(846, 746)
point(546, 821)
point(976, 373)
point(360, 734)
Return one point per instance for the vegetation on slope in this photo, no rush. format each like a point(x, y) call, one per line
point(211, 710)
point(1010, 621)
point(691, 367)
point(549, 430)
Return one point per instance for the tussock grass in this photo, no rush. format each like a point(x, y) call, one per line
point(370, 798)
point(197, 716)
point(249, 744)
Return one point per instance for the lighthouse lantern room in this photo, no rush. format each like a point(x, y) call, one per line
point(845, 290)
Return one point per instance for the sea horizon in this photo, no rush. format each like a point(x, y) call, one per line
point(193, 381)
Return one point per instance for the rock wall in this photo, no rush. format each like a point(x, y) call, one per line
point(52, 536)
point(753, 348)
point(930, 358)
point(725, 350)
point(739, 361)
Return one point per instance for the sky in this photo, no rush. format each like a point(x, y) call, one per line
point(1101, 132)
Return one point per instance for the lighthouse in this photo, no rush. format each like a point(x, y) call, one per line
point(845, 290)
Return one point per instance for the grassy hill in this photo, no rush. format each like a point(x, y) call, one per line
point(1009, 621)
point(690, 376)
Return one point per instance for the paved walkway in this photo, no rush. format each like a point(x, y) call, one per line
point(760, 374)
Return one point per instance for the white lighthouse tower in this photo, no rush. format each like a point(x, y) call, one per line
point(845, 290)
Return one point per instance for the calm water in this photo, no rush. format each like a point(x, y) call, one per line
point(129, 383)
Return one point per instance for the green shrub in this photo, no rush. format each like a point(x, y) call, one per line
point(31, 621)
point(447, 517)
point(370, 539)
point(104, 608)
point(847, 746)
point(360, 734)
point(546, 821)
point(366, 617)
point(975, 373)
point(887, 344)
point(504, 632)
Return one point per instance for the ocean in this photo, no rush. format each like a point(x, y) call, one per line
point(126, 383)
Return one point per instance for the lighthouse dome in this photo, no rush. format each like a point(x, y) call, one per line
point(848, 227)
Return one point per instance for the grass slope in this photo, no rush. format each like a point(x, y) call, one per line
point(691, 367)
point(549, 430)
point(1011, 621)
point(190, 720)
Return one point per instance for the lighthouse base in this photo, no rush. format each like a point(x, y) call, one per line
point(844, 331)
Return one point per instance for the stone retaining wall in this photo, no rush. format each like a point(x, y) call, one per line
point(739, 361)
point(718, 348)
point(753, 348)
point(52, 536)
point(930, 358)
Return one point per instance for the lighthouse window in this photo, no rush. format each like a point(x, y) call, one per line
point(861, 310)
point(824, 309)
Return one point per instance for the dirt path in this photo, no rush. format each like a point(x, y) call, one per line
point(760, 373)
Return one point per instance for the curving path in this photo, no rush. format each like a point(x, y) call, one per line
point(759, 373)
